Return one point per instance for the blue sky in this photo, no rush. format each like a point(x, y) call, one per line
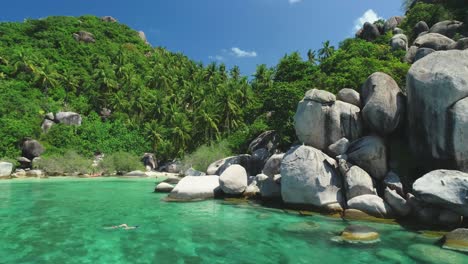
point(235, 32)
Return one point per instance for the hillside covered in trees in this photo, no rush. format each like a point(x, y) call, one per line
point(136, 98)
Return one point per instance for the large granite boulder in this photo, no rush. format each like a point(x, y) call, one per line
point(233, 180)
point(434, 41)
point(309, 177)
point(383, 103)
point(218, 167)
point(437, 109)
point(164, 187)
point(269, 188)
point(369, 32)
point(32, 149)
point(420, 27)
point(447, 28)
point(410, 54)
point(422, 52)
point(6, 168)
point(444, 188)
point(267, 140)
point(349, 96)
point(370, 154)
point(357, 181)
point(195, 188)
point(273, 165)
point(371, 204)
point(392, 23)
point(68, 118)
point(399, 42)
point(320, 120)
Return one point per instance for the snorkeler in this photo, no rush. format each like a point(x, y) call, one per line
point(122, 226)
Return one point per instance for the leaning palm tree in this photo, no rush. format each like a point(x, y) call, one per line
point(312, 56)
point(326, 51)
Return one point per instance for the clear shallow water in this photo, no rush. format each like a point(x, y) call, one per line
point(61, 221)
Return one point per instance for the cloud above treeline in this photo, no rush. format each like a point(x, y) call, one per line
point(294, 1)
point(368, 16)
point(237, 52)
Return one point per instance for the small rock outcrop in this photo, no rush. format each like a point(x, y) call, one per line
point(6, 168)
point(399, 205)
point(410, 54)
point(461, 44)
point(338, 148)
point(108, 19)
point(369, 32)
point(399, 42)
point(149, 161)
point(383, 103)
point(164, 187)
point(420, 27)
point(447, 28)
point(84, 36)
point(444, 188)
point(233, 180)
point(392, 23)
point(68, 118)
point(370, 154)
point(309, 177)
point(320, 120)
point(195, 188)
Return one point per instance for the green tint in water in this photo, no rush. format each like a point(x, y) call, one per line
point(61, 221)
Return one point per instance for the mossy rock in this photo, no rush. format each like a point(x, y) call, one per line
point(357, 215)
point(457, 240)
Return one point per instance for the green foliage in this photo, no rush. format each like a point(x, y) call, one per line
point(69, 162)
point(120, 162)
point(204, 155)
point(430, 13)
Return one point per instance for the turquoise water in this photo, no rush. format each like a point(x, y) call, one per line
point(61, 221)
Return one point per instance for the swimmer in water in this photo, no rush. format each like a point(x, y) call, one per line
point(122, 226)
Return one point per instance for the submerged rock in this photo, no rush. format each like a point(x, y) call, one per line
point(195, 188)
point(309, 177)
point(360, 234)
point(444, 188)
point(457, 240)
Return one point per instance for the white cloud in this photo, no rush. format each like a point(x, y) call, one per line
point(294, 1)
point(216, 57)
point(243, 53)
point(368, 16)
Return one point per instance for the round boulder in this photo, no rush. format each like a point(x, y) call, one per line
point(370, 154)
point(433, 41)
point(349, 96)
point(420, 27)
point(447, 28)
point(360, 234)
point(309, 177)
point(164, 187)
point(233, 180)
point(422, 52)
point(370, 32)
point(383, 103)
point(399, 42)
point(192, 188)
point(357, 181)
point(371, 204)
point(273, 165)
point(32, 149)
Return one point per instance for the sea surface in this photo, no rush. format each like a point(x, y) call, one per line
point(63, 221)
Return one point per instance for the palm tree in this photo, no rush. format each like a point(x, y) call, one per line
point(326, 51)
point(312, 56)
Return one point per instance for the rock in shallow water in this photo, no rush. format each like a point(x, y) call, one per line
point(457, 240)
point(444, 188)
point(309, 177)
point(360, 234)
point(164, 187)
point(371, 204)
point(195, 188)
point(233, 180)
point(6, 169)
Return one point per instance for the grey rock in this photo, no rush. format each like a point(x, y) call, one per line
point(218, 167)
point(6, 168)
point(410, 54)
point(195, 188)
point(68, 118)
point(372, 205)
point(193, 172)
point(422, 52)
point(35, 173)
point(434, 41)
point(269, 189)
point(164, 187)
point(84, 36)
point(142, 36)
point(273, 165)
point(420, 27)
point(357, 181)
point(252, 188)
point(47, 125)
point(399, 42)
point(370, 32)
point(339, 147)
point(50, 116)
point(392, 23)
point(457, 240)
point(108, 19)
point(445, 188)
point(369, 153)
point(447, 28)
point(258, 159)
point(320, 96)
point(233, 180)
point(149, 161)
point(461, 44)
point(437, 92)
point(383, 102)
point(320, 123)
point(398, 30)
point(398, 203)
point(449, 218)
point(136, 173)
point(392, 181)
point(32, 149)
point(174, 167)
point(309, 177)
point(267, 140)
point(349, 96)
